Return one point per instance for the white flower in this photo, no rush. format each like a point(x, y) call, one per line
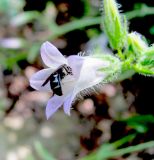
point(85, 75)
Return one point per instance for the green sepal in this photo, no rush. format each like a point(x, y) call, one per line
point(145, 64)
point(113, 70)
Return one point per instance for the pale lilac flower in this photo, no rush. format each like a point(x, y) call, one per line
point(85, 75)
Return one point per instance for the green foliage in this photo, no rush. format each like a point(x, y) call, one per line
point(107, 151)
point(24, 18)
point(140, 122)
point(136, 44)
point(42, 152)
point(133, 55)
point(11, 7)
point(152, 30)
point(140, 10)
point(132, 48)
point(145, 63)
point(14, 15)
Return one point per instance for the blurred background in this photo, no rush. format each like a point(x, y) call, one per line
point(123, 108)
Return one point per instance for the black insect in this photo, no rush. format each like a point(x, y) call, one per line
point(56, 77)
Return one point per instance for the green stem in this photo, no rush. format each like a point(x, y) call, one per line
point(131, 149)
point(57, 31)
point(120, 54)
point(89, 21)
point(142, 12)
point(123, 140)
point(42, 152)
point(74, 25)
point(110, 153)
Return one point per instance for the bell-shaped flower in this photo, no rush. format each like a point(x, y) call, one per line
point(85, 74)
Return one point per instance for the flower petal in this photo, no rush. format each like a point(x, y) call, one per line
point(67, 104)
point(53, 105)
point(89, 77)
point(90, 74)
point(68, 84)
point(39, 78)
point(75, 62)
point(51, 56)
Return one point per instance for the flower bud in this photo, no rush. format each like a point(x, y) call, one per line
point(136, 43)
point(145, 63)
point(114, 25)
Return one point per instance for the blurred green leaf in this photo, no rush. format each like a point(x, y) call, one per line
point(11, 7)
point(24, 18)
point(13, 59)
point(140, 122)
point(152, 30)
point(30, 157)
point(141, 10)
point(2, 103)
point(42, 152)
point(107, 151)
point(33, 53)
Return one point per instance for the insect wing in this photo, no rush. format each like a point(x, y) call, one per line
point(56, 77)
point(55, 83)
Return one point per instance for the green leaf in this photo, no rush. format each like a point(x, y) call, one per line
point(13, 59)
point(106, 150)
point(24, 18)
point(33, 53)
point(11, 7)
point(42, 152)
point(152, 30)
point(140, 122)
